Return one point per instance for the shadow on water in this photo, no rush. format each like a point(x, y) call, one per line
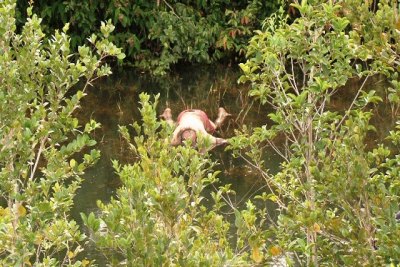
point(115, 101)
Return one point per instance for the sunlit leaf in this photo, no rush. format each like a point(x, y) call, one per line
point(20, 210)
point(72, 163)
point(85, 262)
point(256, 255)
point(316, 228)
point(71, 254)
point(275, 250)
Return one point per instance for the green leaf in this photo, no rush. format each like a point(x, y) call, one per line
point(121, 56)
point(245, 68)
point(339, 24)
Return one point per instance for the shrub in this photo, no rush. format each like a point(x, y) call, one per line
point(160, 215)
point(40, 139)
point(337, 197)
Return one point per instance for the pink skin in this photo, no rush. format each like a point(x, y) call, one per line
point(222, 115)
point(191, 122)
point(167, 115)
point(191, 116)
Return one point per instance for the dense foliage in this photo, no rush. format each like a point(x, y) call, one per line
point(337, 197)
point(39, 139)
point(157, 34)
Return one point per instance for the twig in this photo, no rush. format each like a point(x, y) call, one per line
point(352, 104)
point(42, 143)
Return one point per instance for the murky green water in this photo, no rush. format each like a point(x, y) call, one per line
point(114, 101)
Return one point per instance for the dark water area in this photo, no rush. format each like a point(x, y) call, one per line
point(114, 101)
point(383, 118)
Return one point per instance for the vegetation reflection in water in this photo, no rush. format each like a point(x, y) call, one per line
point(114, 101)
